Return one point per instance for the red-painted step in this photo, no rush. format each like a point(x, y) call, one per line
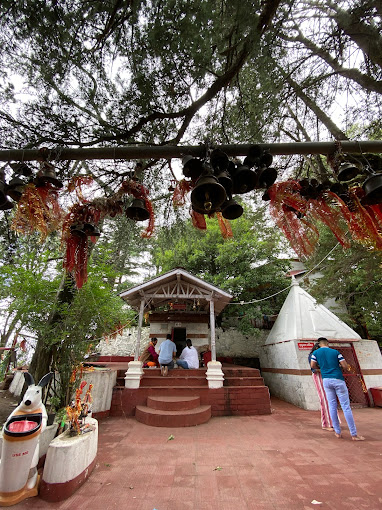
point(185, 418)
point(173, 403)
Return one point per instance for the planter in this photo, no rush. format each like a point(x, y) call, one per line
point(69, 462)
point(376, 393)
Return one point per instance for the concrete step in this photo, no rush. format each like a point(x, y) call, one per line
point(161, 418)
point(243, 381)
point(173, 403)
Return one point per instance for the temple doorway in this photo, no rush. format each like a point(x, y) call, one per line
point(179, 337)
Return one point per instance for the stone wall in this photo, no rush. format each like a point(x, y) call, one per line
point(229, 342)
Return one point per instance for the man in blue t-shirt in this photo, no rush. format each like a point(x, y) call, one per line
point(330, 362)
point(167, 353)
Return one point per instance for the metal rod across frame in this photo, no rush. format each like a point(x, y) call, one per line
point(168, 152)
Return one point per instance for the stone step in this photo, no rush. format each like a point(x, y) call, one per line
point(241, 372)
point(243, 381)
point(152, 381)
point(161, 418)
point(173, 403)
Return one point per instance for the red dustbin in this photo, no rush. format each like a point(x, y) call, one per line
point(376, 393)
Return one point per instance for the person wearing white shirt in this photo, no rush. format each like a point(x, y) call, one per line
point(189, 357)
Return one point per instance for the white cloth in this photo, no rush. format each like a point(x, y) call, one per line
point(191, 356)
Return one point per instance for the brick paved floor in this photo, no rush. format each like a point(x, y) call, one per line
point(279, 461)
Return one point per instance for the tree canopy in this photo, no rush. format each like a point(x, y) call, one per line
point(116, 73)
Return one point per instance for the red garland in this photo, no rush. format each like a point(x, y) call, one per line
point(179, 196)
point(285, 206)
point(363, 226)
point(76, 258)
point(224, 225)
point(198, 220)
point(320, 210)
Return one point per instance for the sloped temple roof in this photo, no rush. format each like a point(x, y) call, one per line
point(302, 318)
point(176, 284)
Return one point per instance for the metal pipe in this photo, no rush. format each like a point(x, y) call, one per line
point(168, 151)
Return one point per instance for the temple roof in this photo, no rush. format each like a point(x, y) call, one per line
point(302, 318)
point(177, 284)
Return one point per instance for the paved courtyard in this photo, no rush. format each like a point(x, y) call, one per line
point(280, 461)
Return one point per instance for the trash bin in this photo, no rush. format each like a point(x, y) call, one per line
point(376, 393)
point(20, 438)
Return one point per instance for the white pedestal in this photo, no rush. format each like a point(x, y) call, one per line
point(215, 376)
point(134, 375)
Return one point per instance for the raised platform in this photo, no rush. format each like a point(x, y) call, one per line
point(243, 393)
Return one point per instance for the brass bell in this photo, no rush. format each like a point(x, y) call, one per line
point(266, 159)
point(21, 168)
point(373, 190)
point(15, 188)
point(225, 180)
point(219, 160)
point(47, 174)
point(91, 230)
point(253, 158)
point(5, 204)
point(3, 195)
point(208, 195)
point(244, 180)
point(347, 171)
point(137, 211)
point(78, 229)
point(192, 167)
point(266, 177)
point(231, 210)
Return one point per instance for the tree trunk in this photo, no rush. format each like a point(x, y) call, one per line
point(321, 115)
point(41, 362)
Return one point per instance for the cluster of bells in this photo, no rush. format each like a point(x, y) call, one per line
point(372, 186)
point(15, 188)
point(218, 179)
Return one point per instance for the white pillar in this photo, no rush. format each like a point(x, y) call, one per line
point(214, 374)
point(140, 322)
point(135, 372)
point(212, 330)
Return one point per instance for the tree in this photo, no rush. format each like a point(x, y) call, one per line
point(247, 265)
point(354, 278)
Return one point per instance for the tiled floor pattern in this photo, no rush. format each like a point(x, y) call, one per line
point(282, 461)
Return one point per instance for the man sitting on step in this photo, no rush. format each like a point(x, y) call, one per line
point(167, 353)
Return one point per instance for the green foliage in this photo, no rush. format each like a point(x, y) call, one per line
point(247, 265)
point(354, 278)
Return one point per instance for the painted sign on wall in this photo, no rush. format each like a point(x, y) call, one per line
point(305, 346)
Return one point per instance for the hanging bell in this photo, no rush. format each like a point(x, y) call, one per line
point(373, 190)
point(266, 177)
point(192, 167)
point(253, 158)
point(266, 159)
point(219, 160)
point(347, 171)
point(137, 211)
point(78, 229)
point(47, 174)
point(244, 180)
point(91, 230)
point(3, 194)
point(15, 188)
point(21, 168)
point(208, 195)
point(231, 210)
point(5, 204)
point(225, 180)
